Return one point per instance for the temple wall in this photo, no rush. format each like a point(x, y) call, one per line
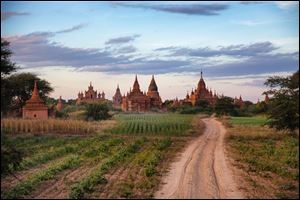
point(35, 114)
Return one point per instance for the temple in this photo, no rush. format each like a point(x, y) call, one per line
point(90, 96)
point(239, 102)
point(35, 107)
point(117, 98)
point(267, 99)
point(201, 93)
point(155, 100)
point(136, 100)
point(59, 105)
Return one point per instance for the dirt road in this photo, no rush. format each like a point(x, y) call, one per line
point(202, 170)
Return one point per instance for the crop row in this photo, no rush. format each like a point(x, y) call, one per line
point(80, 189)
point(27, 186)
point(164, 124)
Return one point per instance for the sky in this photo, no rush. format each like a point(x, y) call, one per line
point(237, 45)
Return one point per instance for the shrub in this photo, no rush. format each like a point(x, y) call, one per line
point(97, 111)
point(10, 156)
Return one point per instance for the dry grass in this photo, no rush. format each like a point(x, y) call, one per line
point(20, 126)
point(268, 160)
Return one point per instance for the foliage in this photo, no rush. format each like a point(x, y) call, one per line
point(20, 86)
point(284, 108)
point(10, 156)
point(97, 111)
point(224, 106)
point(7, 66)
point(61, 114)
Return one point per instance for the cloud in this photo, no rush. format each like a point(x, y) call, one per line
point(280, 4)
point(74, 28)
point(258, 64)
point(232, 50)
point(251, 2)
point(287, 4)
point(188, 9)
point(6, 15)
point(122, 40)
point(36, 50)
point(249, 22)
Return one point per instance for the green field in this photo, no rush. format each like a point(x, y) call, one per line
point(248, 120)
point(152, 124)
point(85, 166)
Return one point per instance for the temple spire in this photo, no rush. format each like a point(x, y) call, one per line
point(136, 86)
point(201, 73)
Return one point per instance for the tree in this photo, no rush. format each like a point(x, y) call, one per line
point(284, 105)
point(20, 86)
point(224, 106)
point(203, 104)
point(7, 66)
point(97, 111)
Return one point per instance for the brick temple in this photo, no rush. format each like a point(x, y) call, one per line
point(35, 107)
point(90, 96)
point(136, 100)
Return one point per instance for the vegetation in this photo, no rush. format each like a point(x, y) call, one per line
point(86, 166)
point(7, 66)
point(16, 88)
point(30, 184)
point(269, 159)
point(97, 111)
point(152, 124)
point(10, 156)
point(18, 126)
point(284, 109)
point(248, 120)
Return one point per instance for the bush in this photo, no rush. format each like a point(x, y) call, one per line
point(61, 114)
point(97, 111)
point(10, 156)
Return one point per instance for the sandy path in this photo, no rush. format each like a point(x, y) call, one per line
point(202, 170)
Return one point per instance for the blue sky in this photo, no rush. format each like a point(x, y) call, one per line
point(237, 44)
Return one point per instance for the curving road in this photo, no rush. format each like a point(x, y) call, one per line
point(202, 171)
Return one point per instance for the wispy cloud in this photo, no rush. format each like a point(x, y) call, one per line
point(74, 28)
point(249, 22)
point(232, 50)
point(188, 9)
point(122, 40)
point(287, 4)
point(8, 14)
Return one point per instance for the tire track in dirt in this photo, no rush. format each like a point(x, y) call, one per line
point(202, 170)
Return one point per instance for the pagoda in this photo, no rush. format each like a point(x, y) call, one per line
point(35, 107)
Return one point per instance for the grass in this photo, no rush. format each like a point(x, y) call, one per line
point(268, 154)
point(152, 124)
point(248, 120)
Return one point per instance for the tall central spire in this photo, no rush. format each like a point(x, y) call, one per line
point(201, 73)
